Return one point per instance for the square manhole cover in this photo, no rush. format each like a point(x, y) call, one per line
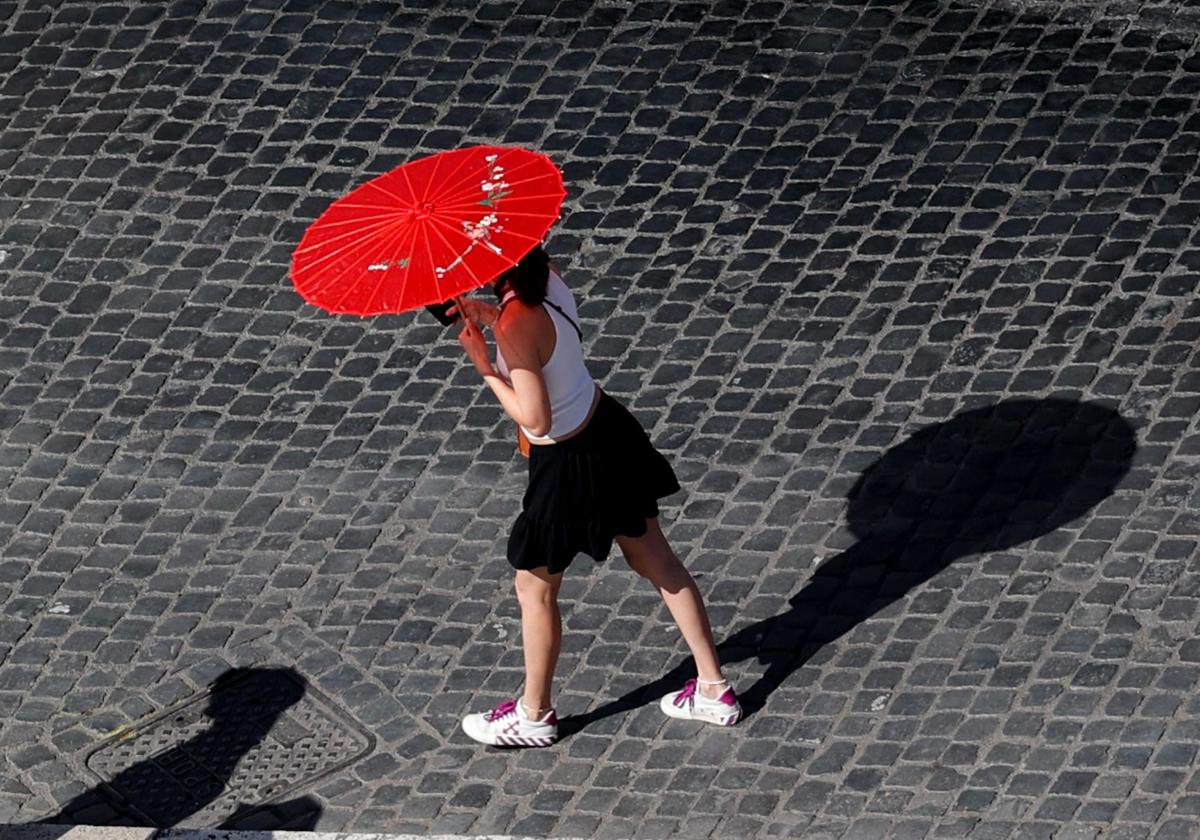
point(253, 737)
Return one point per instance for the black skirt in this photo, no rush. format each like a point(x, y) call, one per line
point(585, 490)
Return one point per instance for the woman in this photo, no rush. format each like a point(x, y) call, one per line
point(594, 477)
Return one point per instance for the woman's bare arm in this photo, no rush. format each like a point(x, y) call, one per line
point(526, 400)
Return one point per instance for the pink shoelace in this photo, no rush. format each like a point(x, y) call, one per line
point(503, 710)
point(689, 689)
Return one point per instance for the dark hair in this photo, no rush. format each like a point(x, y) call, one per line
point(527, 278)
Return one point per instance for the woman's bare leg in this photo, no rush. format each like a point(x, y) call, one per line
point(652, 558)
point(541, 634)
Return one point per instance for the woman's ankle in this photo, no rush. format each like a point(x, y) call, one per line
point(534, 711)
point(713, 688)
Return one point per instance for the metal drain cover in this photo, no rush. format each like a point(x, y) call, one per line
point(256, 735)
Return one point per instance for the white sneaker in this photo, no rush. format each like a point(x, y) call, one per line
point(690, 704)
point(508, 726)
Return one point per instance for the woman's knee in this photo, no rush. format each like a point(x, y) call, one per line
point(536, 588)
point(670, 574)
point(653, 560)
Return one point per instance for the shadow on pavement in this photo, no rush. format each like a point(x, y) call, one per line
point(168, 787)
point(985, 480)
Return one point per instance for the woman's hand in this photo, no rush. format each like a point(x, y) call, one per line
point(478, 312)
point(477, 350)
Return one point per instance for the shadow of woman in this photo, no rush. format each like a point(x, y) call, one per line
point(191, 779)
point(985, 480)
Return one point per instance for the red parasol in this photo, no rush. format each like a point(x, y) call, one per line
point(428, 231)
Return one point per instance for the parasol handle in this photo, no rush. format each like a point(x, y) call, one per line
point(458, 303)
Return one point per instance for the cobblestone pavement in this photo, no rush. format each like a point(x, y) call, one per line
point(907, 292)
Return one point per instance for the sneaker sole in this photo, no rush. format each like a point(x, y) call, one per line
point(514, 741)
point(511, 740)
point(671, 710)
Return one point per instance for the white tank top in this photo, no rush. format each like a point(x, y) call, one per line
point(568, 384)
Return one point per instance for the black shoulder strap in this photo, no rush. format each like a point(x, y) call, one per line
point(549, 302)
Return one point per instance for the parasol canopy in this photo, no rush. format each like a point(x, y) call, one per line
point(428, 231)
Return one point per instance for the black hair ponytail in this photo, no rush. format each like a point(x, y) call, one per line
point(527, 278)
